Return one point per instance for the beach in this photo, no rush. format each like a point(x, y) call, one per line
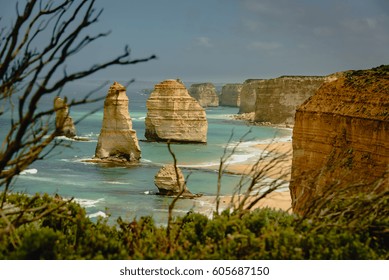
point(274, 164)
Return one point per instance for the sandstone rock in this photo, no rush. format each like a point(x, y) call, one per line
point(340, 137)
point(63, 122)
point(167, 184)
point(248, 95)
point(117, 140)
point(205, 94)
point(277, 99)
point(172, 114)
point(230, 95)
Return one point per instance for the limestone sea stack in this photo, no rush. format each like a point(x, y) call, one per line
point(63, 122)
point(205, 94)
point(172, 114)
point(340, 138)
point(166, 181)
point(248, 95)
point(117, 140)
point(230, 95)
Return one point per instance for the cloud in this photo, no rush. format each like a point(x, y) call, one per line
point(204, 42)
point(264, 46)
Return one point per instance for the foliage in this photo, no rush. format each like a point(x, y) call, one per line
point(261, 234)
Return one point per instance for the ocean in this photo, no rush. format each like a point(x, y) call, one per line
point(130, 192)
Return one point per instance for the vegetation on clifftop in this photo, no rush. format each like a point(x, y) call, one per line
point(261, 234)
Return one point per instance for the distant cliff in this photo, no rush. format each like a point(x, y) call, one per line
point(230, 95)
point(205, 94)
point(248, 95)
point(340, 136)
point(172, 114)
point(277, 99)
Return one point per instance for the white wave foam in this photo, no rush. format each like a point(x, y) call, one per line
point(29, 171)
point(97, 214)
point(115, 183)
point(88, 203)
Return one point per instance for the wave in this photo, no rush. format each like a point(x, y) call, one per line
point(88, 203)
point(116, 183)
point(29, 171)
point(97, 214)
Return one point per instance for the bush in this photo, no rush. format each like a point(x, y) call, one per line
point(66, 233)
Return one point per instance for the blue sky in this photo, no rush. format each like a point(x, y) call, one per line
point(234, 40)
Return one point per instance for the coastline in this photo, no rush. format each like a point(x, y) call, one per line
point(275, 164)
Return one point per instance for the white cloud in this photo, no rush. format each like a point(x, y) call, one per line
point(264, 46)
point(204, 42)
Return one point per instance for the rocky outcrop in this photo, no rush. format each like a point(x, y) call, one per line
point(63, 122)
point(166, 181)
point(248, 95)
point(340, 137)
point(205, 94)
point(230, 95)
point(117, 140)
point(172, 114)
point(277, 99)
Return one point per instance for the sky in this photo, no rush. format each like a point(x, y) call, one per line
point(226, 41)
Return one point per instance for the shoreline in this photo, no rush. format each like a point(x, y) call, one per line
point(275, 164)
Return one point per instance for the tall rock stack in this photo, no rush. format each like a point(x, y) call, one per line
point(117, 140)
point(63, 122)
point(340, 138)
point(230, 95)
point(205, 94)
point(277, 99)
point(172, 114)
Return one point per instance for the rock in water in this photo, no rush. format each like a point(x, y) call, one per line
point(230, 95)
point(205, 94)
point(63, 122)
point(117, 140)
point(166, 181)
point(172, 114)
point(340, 138)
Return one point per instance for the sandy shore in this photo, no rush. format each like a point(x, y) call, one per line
point(275, 163)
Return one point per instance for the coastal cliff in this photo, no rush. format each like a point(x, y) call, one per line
point(248, 95)
point(63, 122)
point(205, 94)
point(230, 95)
point(277, 99)
point(340, 137)
point(117, 140)
point(172, 114)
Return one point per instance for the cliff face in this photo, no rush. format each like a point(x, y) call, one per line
point(248, 95)
point(63, 122)
point(172, 114)
point(205, 94)
point(340, 137)
point(117, 140)
point(277, 99)
point(230, 95)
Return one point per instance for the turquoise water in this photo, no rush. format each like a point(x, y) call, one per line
point(129, 191)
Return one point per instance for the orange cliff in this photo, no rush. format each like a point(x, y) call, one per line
point(341, 137)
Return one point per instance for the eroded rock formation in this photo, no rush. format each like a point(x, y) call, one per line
point(340, 137)
point(248, 95)
point(166, 181)
point(172, 114)
point(277, 99)
point(117, 140)
point(230, 95)
point(63, 122)
point(205, 94)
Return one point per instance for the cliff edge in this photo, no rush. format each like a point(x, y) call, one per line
point(340, 137)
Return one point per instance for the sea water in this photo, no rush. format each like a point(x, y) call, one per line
point(130, 192)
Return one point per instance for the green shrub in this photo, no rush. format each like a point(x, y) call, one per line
point(66, 233)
